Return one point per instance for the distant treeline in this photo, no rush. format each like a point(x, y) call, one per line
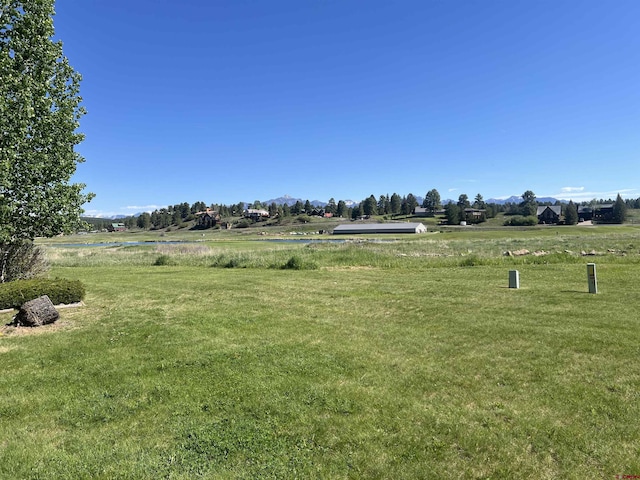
point(185, 214)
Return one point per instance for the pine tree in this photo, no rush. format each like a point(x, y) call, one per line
point(571, 214)
point(619, 210)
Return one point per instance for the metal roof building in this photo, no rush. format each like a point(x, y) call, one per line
point(353, 228)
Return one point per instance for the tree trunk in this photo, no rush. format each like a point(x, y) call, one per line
point(36, 313)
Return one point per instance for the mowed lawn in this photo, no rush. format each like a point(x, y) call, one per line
point(337, 372)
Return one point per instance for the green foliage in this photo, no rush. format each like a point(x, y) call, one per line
point(22, 260)
point(432, 200)
point(244, 223)
point(452, 213)
point(59, 290)
point(520, 221)
point(528, 206)
point(571, 214)
point(619, 210)
point(297, 263)
point(39, 114)
point(164, 260)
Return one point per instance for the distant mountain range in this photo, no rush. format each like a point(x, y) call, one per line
point(518, 199)
point(350, 203)
point(289, 200)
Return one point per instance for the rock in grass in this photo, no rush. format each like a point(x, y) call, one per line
point(36, 313)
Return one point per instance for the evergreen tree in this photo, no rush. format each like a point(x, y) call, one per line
point(144, 221)
point(331, 206)
point(341, 209)
point(463, 202)
point(571, 214)
point(452, 212)
point(409, 204)
point(369, 206)
point(528, 206)
point(396, 204)
point(356, 212)
point(432, 201)
point(619, 210)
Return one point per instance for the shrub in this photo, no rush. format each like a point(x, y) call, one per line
point(23, 261)
point(296, 263)
point(60, 290)
point(520, 221)
point(163, 260)
point(471, 261)
point(245, 223)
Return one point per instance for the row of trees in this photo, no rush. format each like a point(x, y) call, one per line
point(389, 205)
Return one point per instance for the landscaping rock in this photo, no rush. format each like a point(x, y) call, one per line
point(36, 313)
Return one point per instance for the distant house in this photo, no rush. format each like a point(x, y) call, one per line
point(256, 214)
point(355, 228)
point(116, 227)
point(604, 212)
point(208, 218)
point(475, 215)
point(549, 214)
point(427, 212)
point(585, 213)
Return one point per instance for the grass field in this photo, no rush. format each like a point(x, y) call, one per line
point(235, 357)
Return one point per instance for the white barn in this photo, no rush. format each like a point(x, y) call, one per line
point(353, 228)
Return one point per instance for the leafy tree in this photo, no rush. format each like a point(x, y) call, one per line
point(528, 206)
point(39, 114)
point(619, 210)
point(432, 200)
point(571, 214)
point(130, 222)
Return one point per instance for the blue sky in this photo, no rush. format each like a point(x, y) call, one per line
point(241, 100)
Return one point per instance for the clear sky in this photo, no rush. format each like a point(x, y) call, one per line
point(225, 101)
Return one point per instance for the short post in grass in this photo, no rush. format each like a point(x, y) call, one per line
point(514, 279)
point(591, 277)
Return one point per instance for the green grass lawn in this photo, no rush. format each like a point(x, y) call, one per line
point(376, 360)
